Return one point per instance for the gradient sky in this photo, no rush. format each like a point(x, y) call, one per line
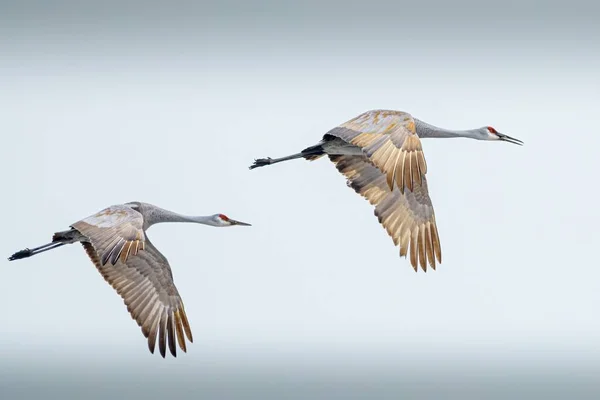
point(107, 102)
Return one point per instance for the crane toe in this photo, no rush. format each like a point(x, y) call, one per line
point(261, 162)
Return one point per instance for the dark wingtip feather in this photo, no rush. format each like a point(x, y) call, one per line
point(162, 333)
point(162, 347)
point(171, 335)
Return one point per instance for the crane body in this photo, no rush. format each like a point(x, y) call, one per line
point(380, 154)
point(116, 242)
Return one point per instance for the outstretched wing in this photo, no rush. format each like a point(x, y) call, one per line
point(407, 217)
point(142, 278)
point(389, 140)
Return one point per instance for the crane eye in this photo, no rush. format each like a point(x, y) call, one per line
point(492, 130)
point(224, 217)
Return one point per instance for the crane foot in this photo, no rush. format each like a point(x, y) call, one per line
point(261, 162)
point(20, 254)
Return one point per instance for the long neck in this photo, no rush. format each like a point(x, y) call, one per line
point(425, 130)
point(156, 215)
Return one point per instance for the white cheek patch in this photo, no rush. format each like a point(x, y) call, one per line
point(107, 218)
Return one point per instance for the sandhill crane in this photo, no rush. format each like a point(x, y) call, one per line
point(380, 154)
point(116, 242)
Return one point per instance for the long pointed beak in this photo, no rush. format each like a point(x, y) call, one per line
point(509, 139)
point(240, 223)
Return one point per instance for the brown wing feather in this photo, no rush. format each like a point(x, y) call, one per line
point(118, 247)
point(145, 283)
point(116, 232)
point(407, 217)
point(390, 141)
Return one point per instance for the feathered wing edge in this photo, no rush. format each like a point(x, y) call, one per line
point(407, 217)
point(153, 303)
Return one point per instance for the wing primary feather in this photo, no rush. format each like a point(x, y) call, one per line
point(186, 324)
point(436, 241)
point(416, 174)
point(399, 231)
point(391, 181)
point(395, 220)
point(171, 334)
point(162, 334)
point(429, 245)
point(404, 242)
point(153, 331)
point(154, 316)
point(179, 329)
point(422, 258)
point(407, 181)
point(413, 248)
point(411, 171)
point(400, 178)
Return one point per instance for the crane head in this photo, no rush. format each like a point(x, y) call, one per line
point(492, 134)
point(224, 220)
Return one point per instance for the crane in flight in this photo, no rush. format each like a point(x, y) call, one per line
point(380, 154)
point(115, 240)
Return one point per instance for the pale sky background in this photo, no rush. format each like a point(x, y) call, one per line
point(169, 104)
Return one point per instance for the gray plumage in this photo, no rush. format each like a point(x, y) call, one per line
point(380, 154)
point(115, 240)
